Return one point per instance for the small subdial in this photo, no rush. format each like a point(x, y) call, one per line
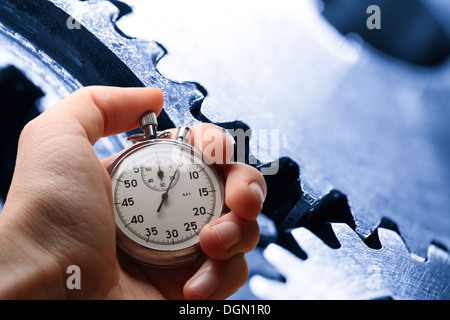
point(157, 173)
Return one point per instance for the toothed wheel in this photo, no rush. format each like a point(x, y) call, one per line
point(309, 247)
point(353, 270)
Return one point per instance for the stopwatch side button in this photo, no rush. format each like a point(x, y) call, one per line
point(183, 134)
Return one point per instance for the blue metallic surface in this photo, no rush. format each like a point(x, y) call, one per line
point(354, 114)
point(354, 118)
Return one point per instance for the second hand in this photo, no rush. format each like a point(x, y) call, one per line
point(165, 195)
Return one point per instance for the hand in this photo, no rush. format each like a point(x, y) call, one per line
point(59, 210)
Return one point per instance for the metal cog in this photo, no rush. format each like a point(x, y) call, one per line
point(354, 271)
point(141, 57)
point(315, 252)
point(95, 53)
point(294, 225)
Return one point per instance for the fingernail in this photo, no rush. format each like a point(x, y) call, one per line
point(258, 192)
point(205, 284)
point(229, 233)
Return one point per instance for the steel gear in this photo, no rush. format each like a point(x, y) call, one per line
point(354, 270)
point(309, 248)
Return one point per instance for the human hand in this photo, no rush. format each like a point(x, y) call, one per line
point(59, 210)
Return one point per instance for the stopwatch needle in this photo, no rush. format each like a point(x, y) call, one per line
point(160, 172)
point(165, 195)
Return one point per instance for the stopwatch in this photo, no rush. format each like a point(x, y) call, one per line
point(164, 193)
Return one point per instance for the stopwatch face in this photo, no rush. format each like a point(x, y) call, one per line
point(164, 194)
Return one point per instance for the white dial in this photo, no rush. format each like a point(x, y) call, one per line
point(164, 194)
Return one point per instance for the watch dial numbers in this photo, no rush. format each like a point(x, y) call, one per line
point(158, 172)
point(163, 197)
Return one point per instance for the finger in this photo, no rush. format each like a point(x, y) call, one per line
point(102, 111)
point(212, 141)
point(217, 279)
point(245, 190)
point(214, 144)
point(228, 236)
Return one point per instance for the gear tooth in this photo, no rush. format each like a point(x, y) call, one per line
point(372, 240)
point(265, 288)
point(280, 258)
point(437, 253)
point(83, 12)
point(390, 239)
point(123, 8)
point(346, 236)
point(309, 241)
point(153, 50)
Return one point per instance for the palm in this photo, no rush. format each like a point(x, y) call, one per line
point(142, 282)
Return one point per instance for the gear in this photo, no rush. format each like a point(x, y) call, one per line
point(300, 255)
point(354, 270)
point(314, 252)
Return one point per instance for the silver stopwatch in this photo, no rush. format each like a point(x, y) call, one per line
point(164, 193)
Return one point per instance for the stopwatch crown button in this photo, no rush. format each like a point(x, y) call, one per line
point(148, 119)
point(149, 124)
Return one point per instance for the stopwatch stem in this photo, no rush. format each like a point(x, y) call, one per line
point(149, 125)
